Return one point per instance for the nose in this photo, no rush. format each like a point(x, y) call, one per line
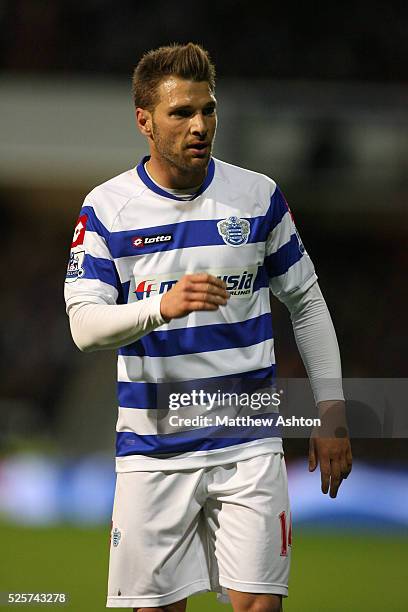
point(199, 125)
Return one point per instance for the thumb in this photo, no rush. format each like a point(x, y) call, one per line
point(312, 456)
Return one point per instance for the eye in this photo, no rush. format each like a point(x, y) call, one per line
point(210, 110)
point(182, 112)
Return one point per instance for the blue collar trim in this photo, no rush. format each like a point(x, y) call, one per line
point(151, 185)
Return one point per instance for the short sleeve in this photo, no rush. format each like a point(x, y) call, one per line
point(287, 263)
point(91, 273)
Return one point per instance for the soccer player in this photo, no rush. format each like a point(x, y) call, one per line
point(172, 263)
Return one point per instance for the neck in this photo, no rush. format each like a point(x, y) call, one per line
point(171, 177)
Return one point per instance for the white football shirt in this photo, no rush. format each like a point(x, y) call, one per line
point(134, 241)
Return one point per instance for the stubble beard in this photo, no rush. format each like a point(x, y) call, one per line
point(166, 151)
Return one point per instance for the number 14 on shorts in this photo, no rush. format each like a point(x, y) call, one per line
point(286, 533)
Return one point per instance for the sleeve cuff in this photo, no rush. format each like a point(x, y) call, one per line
point(327, 389)
point(153, 306)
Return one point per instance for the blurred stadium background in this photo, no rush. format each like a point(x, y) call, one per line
point(315, 96)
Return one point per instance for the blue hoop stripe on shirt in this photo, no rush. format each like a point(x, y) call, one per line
point(93, 224)
point(142, 395)
point(129, 443)
point(124, 293)
point(186, 234)
point(101, 269)
point(278, 208)
point(285, 257)
point(202, 339)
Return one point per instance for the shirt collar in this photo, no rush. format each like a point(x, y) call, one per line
point(145, 178)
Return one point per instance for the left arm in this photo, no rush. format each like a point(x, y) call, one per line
point(317, 343)
point(292, 279)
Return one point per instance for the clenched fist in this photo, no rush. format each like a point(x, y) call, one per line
point(193, 292)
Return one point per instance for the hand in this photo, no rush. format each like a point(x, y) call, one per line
point(333, 453)
point(193, 292)
point(335, 458)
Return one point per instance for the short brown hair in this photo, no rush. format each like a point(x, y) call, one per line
point(188, 61)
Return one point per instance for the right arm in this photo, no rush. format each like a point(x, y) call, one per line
point(107, 326)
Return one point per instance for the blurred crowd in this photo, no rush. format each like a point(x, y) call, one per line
point(34, 344)
point(363, 40)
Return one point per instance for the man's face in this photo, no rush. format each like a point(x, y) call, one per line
point(183, 125)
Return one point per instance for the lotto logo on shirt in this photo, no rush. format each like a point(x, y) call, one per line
point(140, 241)
point(79, 232)
point(239, 283)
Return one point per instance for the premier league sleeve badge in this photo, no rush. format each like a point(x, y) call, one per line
point(234, 231)
point(75, 266)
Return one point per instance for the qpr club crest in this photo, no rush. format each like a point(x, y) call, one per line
point(234, 231)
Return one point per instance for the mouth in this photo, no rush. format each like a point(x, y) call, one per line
point(198, 148)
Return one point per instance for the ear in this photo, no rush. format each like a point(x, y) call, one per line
point(144, 121)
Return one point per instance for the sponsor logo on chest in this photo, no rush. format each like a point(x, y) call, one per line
point(239, 282)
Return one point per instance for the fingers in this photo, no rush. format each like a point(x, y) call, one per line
point(335, 478)
point(346, 461)
point(193, 292)
point(331, 476)
point(204, 277)
point(209, 288)
point(335, 461)
point(345, 467)
point(325, 474)
point(207, 298)
point(206, 283)
point(201, 293)
point(204, 289)
point(312, 456)
point(201, 305)
point(349, 458)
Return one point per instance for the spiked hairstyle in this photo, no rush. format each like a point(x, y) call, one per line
point(188, 61)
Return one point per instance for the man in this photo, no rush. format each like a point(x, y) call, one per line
point(172, 263)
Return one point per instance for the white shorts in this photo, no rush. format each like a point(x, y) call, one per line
point(179, 533)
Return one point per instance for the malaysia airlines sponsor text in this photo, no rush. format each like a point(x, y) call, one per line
point(239, 282)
